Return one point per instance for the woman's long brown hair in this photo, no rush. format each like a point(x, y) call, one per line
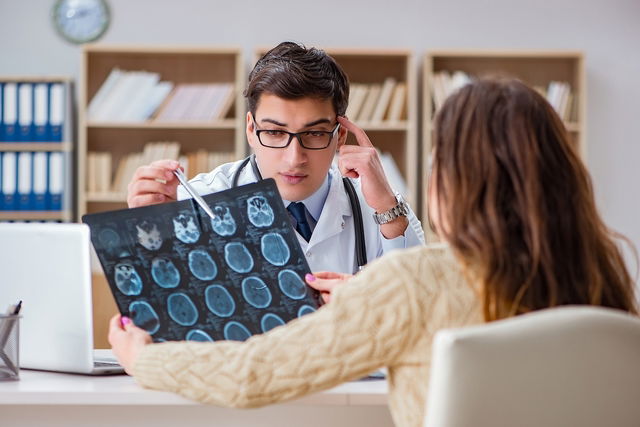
point(517, 206)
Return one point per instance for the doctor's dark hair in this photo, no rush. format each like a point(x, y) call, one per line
point(291, 71)
point(516, 204)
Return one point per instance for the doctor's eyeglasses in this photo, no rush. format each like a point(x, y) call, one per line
point(310, 139)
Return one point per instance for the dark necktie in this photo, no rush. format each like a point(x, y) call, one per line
point(297, 209)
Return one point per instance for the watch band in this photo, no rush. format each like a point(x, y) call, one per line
point(401, 209)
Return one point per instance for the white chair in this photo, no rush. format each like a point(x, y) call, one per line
point(570, 366)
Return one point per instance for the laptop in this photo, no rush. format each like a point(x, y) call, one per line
point(47, 266)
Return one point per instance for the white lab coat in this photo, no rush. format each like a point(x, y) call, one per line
point(332, 244)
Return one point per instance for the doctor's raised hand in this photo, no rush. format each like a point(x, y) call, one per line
point(153, 184)
point(363, 161)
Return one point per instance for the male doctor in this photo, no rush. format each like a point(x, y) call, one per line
point(297, 98)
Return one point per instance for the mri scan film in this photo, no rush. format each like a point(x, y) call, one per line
point(182, 275)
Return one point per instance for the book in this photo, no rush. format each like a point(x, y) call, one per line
point(370, 102)
point(379, 113)
point(398, 103)
point(182, 275)
point(358, 93)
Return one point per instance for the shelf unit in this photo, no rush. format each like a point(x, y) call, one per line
point(180, 65)
point(185, 64)
point(66, 147)
point(399, 138)
point(536, 68)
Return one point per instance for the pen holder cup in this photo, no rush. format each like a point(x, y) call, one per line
point(9, 343)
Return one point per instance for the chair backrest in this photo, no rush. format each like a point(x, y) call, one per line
point(569, 366)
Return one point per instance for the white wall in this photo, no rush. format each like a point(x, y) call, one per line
point(608, 31)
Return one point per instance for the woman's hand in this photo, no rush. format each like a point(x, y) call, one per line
point(127, 340)
point(325, 281)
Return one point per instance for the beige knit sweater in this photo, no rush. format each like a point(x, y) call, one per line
point(384, 316)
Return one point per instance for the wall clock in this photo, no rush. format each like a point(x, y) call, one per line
point(81, 21)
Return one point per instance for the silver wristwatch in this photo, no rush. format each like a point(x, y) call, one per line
point(401, 209)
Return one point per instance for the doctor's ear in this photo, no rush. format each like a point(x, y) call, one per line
point(342, 137)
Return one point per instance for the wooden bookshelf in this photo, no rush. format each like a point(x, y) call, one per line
point(397, 137)
point(179, 65)
point(535, 67)
point(66, 147)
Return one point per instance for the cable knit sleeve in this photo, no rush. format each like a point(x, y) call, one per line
point(370, 322)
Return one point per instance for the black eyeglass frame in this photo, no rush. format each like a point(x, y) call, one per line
point(297, 135)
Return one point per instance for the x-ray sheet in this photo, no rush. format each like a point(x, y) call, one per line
point(182, 275)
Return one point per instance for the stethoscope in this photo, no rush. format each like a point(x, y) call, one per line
point(361, 248)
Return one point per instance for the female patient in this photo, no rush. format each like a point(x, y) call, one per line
point(513, 202)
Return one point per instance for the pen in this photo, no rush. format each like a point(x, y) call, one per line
point(183, 180)
point(17, 308)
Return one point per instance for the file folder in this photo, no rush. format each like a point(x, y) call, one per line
point(9, 170)
point(56, 181)
point(10, 112)
point(24, 181)
point(41, 112)
point(40, 181)
point(1, 117)
point(25, 111)
point(56, 111)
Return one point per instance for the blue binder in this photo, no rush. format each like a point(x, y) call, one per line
point(1, 189)
point(25, 112)
point(9, 179)
point(56, 111)
point(10, 111)
point(25, 179)
point(55, 186)
point(40, 181)
point(41, 112)
point(1, 115)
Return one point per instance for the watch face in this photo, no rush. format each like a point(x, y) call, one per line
point(81, 21)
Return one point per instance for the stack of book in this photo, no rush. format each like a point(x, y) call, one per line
point(377, 103)
point(198, 102)
point(444, 84)
point(557, 93)
point(203, 161)
point(101, 181)
point(138, 96)
point(561, 99)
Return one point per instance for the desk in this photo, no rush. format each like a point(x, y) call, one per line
point(54, 399)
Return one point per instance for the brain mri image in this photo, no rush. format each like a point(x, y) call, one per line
point(181, 309)
point(198, 335)
point(291, 284)
point(223, 223)
point(149, 235)
point(184, 275)
point(238, 257)
point(259, 211)
point(202, 265)
point(305, 309)
point(236, 331)
point(275, 249)
point(144, 316)
point(256, 292)
point(127, 279)
point(185, 228)
point(165, 273)
point(111, 242)
point(270, 321)
point(219, 301)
